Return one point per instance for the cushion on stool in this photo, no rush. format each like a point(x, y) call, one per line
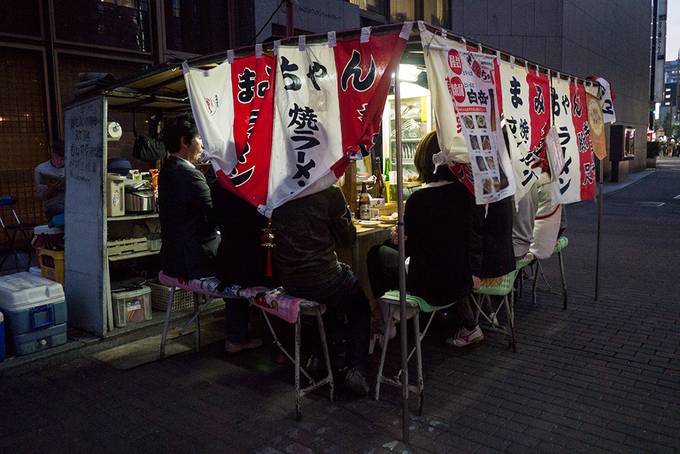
point(562, 243)
point(499, 286)
point(392, 297)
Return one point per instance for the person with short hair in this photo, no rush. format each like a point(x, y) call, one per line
point(49, 181)
point(189, 240)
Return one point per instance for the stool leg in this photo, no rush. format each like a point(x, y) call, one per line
point(197, 315)
point(511, 321)
point(327, 356)
point(166, 322)
point(534, 284)
point(298, 397)
point(386, 340)
point(564, 281)
point(419, 362)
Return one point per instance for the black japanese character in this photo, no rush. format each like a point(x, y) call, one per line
point(564, 137)
point(524, 129)
point(555, 101)
point(246, 85)
point(316, 70)
point(286, 71)
point(588, 174)
point(309, 141)
point(353, 71)
point(539, 105)
point(566, 104)
point(512, 125)
point(472, 96)
point(586, 128)
point(528, 174)
point(483, 97)
point(515, 91)
point(303, 118)
point(303, 171)
point(582, 143)
point(608, 108)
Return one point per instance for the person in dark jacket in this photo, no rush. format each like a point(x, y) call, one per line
point(307, 231)
point(441, 244)
point(240, 260)
point(189, 240)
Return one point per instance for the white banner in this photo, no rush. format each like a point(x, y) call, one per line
point(437, 50)
point(473, 90)
point(210, 93)
point(568, 187)
point(517, 115)
point(607, 101)
point(307, 138)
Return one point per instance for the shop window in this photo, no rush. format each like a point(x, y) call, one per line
point(20, 17)
point(436, 12)
point(629, 143)
point(23, 128)
point(402, 10)
point(197, 27)
point(123, 24)
point(374, 6)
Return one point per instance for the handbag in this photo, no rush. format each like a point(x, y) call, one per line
point(147, 149)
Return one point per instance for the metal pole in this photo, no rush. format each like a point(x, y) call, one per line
point(289, 18)
point(600, 201)
point(402, 258)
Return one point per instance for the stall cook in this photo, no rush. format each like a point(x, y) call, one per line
point(49, 181)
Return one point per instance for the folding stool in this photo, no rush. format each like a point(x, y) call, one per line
point(560, 245)
point(488, 309)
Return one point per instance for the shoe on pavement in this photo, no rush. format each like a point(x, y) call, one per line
point(232, 347)
point(465, 337)
point(355, 380)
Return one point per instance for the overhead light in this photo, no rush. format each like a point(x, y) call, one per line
point(409, 73)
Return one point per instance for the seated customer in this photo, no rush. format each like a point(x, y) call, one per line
point(240, 260)
point(307, 231)
point(440, 243)
point(189, 241)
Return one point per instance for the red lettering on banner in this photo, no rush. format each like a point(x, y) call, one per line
point(579, 116)
point(363, 86)
point(253, 99)
point(457, 89)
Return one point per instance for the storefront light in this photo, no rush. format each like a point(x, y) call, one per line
point(409, 73)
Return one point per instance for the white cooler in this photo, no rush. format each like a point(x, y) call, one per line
point(34, 310)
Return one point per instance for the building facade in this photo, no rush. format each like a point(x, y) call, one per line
point(610, 39)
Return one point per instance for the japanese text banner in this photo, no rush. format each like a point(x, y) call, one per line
point(473, 88)
point(210, 94)
point(517, 86)
point(253, 99)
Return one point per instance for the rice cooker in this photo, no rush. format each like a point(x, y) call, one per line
point(139, 198)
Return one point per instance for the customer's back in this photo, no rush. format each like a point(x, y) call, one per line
point(307, 231)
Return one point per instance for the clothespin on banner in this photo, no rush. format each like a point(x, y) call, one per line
point(406, 30)
point(332, 39)
point(464, 41)
point(365, 34)
point(498, 56)
point(479, 47)
point(258, 50)
point(277, 44)
point(526, 65)
point(442, 31)
point(302, 42)
point(512, 62)
point(230, 56)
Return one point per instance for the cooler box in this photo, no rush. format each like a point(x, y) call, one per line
point(2, 338)
point(35, 312)
point(132, 306)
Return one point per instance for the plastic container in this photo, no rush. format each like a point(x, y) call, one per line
point(48, 237)
point(35, 312)
point(132, 306)
point(52, 265)
point(119, 166)
point(183, 300)
point(2, 337)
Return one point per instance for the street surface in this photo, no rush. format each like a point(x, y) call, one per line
point(601, 376)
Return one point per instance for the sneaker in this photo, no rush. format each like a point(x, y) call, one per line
point(355, 380)
point(231, 347)
point(463, 337)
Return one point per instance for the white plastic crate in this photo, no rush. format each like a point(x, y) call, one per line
point(182, 300)
point(131, 306)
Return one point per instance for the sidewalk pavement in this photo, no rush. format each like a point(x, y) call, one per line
point(600, 376)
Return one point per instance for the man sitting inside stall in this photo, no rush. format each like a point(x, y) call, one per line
point(189, 238)
point(49, 181)
point(307, 232)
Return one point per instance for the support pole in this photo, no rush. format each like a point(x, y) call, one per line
point(600, 201)
point(289, 18)
point(403, 325)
